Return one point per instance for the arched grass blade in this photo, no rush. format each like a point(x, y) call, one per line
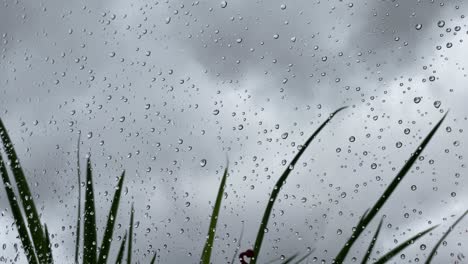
point(130, 238)
point(206, 255)
point(277, 188)
point(390, 189)
point(372, 243)
point(153, 260)
point(89, 230)
point(121, 250)
point(107, 238)
point(34, 223)
point(78, 216)
point(402, 246)
point(304, 257)
point(434, 250)
point(17, 215)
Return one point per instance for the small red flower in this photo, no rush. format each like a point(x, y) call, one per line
point(249, 253)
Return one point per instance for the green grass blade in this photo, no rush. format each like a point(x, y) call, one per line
point(372, 243)
point(238, 244)
point(206, 255)
point(49, 258)
point(34, 223)
point(279, 184)
point(363, 217)
point(431, 255)
point(291, 258)
point(130, 238)
point(121, 250)
point(402, 246)
point(304, 257)
point(390, 189)
point(107, 238)
point(153, 260)
point(78, 216)
point(18, 216)
point(89, 230)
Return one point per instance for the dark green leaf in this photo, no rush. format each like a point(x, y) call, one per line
point(17, 215)
point(49, 258)
point(89, 231)
point(153, 260)
point(402, 246)
point(372, 243)
point(206, 255)
point(121, 250)
point(382, 199)
point(304, 257)
point(130, 238)
point(279, 184)
point(288, 260)
point(34, 223)
point(434, 250)
point(107, 239)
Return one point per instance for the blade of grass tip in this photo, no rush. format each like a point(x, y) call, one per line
point(206, 255)
point(238, 244)
point(17, 216)
point(121, 250)
point(305, 257)
point(78, 217)
point(288, 260)
point(362, 218)
point(107, 238)
point(89, 228)
point(49, 258)
point(27, 201)
point(372, 243)
point(433, 251)
point(153, 260)
point(388, 191)
point(130, 238)
point(402, 246)
point(279, 184)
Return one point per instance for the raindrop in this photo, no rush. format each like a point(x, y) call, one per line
point(203, 162)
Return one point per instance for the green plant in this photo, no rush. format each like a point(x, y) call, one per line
point(365, 220)
point(35, 240)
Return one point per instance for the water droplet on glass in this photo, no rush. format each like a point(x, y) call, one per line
point(203, 162)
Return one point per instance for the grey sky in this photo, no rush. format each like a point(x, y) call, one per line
point(156, 87)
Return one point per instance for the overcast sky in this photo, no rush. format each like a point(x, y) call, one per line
point(169, 90)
